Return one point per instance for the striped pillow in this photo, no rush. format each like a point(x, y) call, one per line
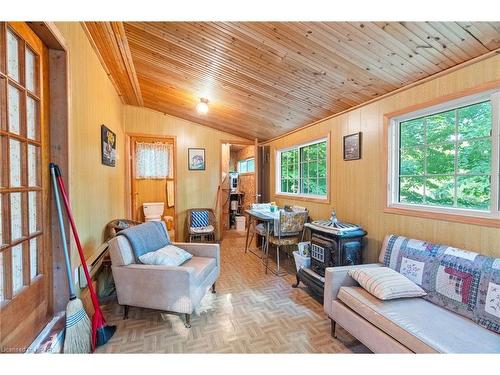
point(199, 219)
point(385, 283)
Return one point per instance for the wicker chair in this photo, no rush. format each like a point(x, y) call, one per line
point(202, 234)
point(117, 225)
point(289, 232)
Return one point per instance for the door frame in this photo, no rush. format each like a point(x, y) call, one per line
point(57, 116)
point(129, 169)
point(219, 177)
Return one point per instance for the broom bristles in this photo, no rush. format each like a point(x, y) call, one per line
point(78, 328)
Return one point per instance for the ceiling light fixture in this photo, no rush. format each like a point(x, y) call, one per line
point(202, 106)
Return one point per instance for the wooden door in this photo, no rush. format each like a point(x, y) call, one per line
point(25, 273)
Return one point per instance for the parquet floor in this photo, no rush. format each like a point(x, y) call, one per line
point(251, 313)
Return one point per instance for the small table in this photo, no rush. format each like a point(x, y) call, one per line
point(259, 215)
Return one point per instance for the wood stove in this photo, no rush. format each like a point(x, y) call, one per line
point(330, 247)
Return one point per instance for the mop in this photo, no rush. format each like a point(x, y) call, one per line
point(77, 335)
point(101, 332)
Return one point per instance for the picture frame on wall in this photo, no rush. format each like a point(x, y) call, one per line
point(108, 146)
point(352, 146)
point(196, 159)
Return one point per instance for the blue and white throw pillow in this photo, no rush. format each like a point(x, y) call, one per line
point(199, 219)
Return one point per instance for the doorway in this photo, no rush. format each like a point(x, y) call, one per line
point(239, 184)
point(152, 177)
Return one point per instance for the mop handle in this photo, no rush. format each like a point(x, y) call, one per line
point(72, 294)
point(77, 238)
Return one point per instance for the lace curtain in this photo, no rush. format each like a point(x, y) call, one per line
point(153, 160)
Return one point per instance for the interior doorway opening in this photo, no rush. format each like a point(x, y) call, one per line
point(239, 184)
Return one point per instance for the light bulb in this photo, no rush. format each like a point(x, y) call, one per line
point(202, 106)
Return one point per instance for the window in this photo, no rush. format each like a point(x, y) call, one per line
point(153, 160)
point(246, 166)
point(302, 170)
point(445, 158)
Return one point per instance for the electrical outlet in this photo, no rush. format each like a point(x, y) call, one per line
point(75, 280)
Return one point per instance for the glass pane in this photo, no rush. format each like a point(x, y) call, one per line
point(284, 171)
point(313, 169)
point(441, 127)
point(1, 219)
point(305, 154)
point(2, 293)
point(33, 258)
point(305, 186)
point(284, 186)
point(304, 173)
point(32, 211)
point(17, 268)
point(440, 190)
point(294, 156)
point(322, 168)
point(251, 165)
point(30, 70)
point(412, 133)
point(31, 117)
point(14, 112)
point(441, 159)
point(474, 157)
point(411, 161)
point(16, 216)
point(313, 152)
point(321, 186)
point(242, 166)
point(15, 162)
point(475, 121)
point(3, 153)
point(292, 171)
point(411, 190)
point(12, 55)
point(293, 186)
point(32, 163)
point(322, 151)
point(474, 192)
point(285, 157)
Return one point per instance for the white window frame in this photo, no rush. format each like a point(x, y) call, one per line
point(298, 147)
point(393, 157)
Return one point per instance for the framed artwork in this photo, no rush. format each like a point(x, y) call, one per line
point(108, 149)
point(352, 146)
point(196, 159)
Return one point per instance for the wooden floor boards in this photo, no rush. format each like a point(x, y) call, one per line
point(251, 313)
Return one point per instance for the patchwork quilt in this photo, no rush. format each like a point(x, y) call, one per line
point(464, 282)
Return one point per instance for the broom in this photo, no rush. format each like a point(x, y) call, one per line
point(101, 332)
point(77, 335)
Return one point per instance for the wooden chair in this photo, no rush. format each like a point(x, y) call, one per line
point(206, 234)
point(287, 231)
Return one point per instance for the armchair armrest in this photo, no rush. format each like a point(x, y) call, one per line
point(335, 278)
point(208, 250)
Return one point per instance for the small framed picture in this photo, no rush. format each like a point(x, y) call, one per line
point(352, 146)
point(196, 159)
point(108, 146)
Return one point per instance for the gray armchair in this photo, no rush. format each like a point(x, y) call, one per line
point(171, 289)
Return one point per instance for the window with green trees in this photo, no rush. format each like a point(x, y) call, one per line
point(448, 158)
point(302, 170)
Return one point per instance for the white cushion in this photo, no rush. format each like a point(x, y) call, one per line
point(207, 229)
point(169, 255)
point(385, 283)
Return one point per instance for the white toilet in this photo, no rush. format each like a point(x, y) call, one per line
point(153, 211)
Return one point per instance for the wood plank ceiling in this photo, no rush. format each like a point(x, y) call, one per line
point(264, 79)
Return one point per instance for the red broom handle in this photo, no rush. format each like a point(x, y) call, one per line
point(93, 295)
